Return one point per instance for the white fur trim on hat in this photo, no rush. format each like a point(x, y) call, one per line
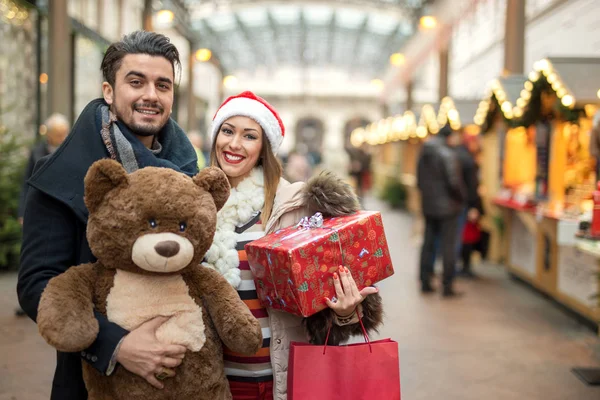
point(254, 109)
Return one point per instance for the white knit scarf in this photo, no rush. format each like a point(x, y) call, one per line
point(244, 202)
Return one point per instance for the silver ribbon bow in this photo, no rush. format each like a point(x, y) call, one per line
point(316, 221)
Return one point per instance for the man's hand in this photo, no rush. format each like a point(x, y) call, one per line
point(142, 354)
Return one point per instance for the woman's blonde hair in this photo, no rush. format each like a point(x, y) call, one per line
point(272, 171)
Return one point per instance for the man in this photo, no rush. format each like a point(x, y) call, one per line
point(132, 125)
point(57, 128)
point(472, 206)
point(442, 198)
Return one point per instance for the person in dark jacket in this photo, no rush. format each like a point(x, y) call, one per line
point(439, 178)
point(467, 153)
point(470, 178)
point(132, 125)
point(57, 128)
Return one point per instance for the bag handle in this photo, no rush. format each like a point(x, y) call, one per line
point(366, 336)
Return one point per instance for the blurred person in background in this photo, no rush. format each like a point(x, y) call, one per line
point(57, 129)
point(466, 152)
point(196, 141)
point(442, 200)
point(130, 124)
point(471, 234)
point(360, 169)
point(297, 167)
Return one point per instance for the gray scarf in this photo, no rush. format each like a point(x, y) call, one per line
point(119, 148)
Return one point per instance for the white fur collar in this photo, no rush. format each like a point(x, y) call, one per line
point(244, 202)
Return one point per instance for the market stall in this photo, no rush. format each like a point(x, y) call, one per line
point(553, 115)
point(564, 99)
point(506, 159)
point(398, 144)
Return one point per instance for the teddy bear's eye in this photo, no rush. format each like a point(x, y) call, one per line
point(152, 223)
point(182, 226)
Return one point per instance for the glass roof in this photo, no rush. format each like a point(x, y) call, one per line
point(354, 35)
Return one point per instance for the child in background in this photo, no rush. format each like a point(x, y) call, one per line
point(470, 239)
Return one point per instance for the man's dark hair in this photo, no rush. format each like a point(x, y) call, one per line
point(138, 42)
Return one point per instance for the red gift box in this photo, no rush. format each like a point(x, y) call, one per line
point(293, 267)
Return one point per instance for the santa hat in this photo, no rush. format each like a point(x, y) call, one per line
point(247, 104)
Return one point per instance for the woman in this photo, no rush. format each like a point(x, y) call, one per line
point(246, 135)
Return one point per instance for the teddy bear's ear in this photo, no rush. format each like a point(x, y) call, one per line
point(102, 177)
point(214, 181)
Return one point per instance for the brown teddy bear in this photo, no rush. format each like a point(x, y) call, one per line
point(149, 231)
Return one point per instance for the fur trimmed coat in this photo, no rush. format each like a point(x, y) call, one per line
point(331, 196)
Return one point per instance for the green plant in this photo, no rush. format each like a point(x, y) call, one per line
point(395, 193)
point(12, 163)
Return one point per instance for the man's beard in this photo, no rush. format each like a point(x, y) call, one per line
point(143, 130)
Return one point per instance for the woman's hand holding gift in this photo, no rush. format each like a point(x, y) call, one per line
point(347, 293)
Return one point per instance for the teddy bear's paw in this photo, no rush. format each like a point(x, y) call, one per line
point(72, 337)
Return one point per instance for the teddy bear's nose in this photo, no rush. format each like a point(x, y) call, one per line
point(167, 248)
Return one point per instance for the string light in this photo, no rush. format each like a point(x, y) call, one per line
point(398, 126)
point(397, 59)
point(165, 17)
point(230, 81)
point(13, 13)
point(553, 78)
point(203, 55)
point(533, 76)
point(428, 22)
point(401, 127)
point(544, 65)
point(428, 118)
point(449, 113)
point(568, 100)
point(411, 124)
point(357, 137)
point(518, 112)
point(453, 115)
